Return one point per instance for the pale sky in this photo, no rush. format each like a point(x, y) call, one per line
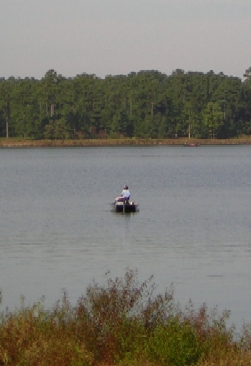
point(111, 37)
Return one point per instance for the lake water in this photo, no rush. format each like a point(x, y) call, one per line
point(193, 229)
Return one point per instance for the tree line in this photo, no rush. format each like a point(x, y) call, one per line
point(144, 104)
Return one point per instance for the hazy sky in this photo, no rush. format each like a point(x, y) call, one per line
point(105, 37)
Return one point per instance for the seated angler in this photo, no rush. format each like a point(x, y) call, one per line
point(125, 195)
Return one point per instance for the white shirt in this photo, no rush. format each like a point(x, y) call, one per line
point(125, 193)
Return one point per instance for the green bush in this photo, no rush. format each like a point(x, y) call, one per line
point(121, 323)
point(110, 320)
point(174, 344)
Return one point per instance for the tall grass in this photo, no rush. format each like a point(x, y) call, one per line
point(121, 323)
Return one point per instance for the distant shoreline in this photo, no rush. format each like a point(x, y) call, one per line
point(13, 142)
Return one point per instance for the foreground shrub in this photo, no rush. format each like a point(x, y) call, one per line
point(114, 320)
point(174, 344)
point(33, 336)
point(122, 323)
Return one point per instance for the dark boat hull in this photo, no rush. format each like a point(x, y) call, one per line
point(125, 207)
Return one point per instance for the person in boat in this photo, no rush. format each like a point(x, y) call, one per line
point(125, 195)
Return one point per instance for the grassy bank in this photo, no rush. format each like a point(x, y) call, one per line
point(14, 142)
point(121, 323)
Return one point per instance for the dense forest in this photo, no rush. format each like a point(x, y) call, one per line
point(144, 104)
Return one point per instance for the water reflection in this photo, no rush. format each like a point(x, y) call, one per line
point(193, 228)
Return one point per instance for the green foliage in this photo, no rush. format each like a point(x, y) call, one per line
point(33, 336)
point(147, 104)
point(174, 344)
point(121, 323)
point(213, 119)
point(117, 316)
point(57, 129)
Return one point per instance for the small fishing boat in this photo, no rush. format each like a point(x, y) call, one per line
point(191, 144)
point(125, 207)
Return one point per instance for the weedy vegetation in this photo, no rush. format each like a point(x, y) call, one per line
point(121, 323)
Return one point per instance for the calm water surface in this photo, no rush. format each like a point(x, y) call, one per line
point(193, 228)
